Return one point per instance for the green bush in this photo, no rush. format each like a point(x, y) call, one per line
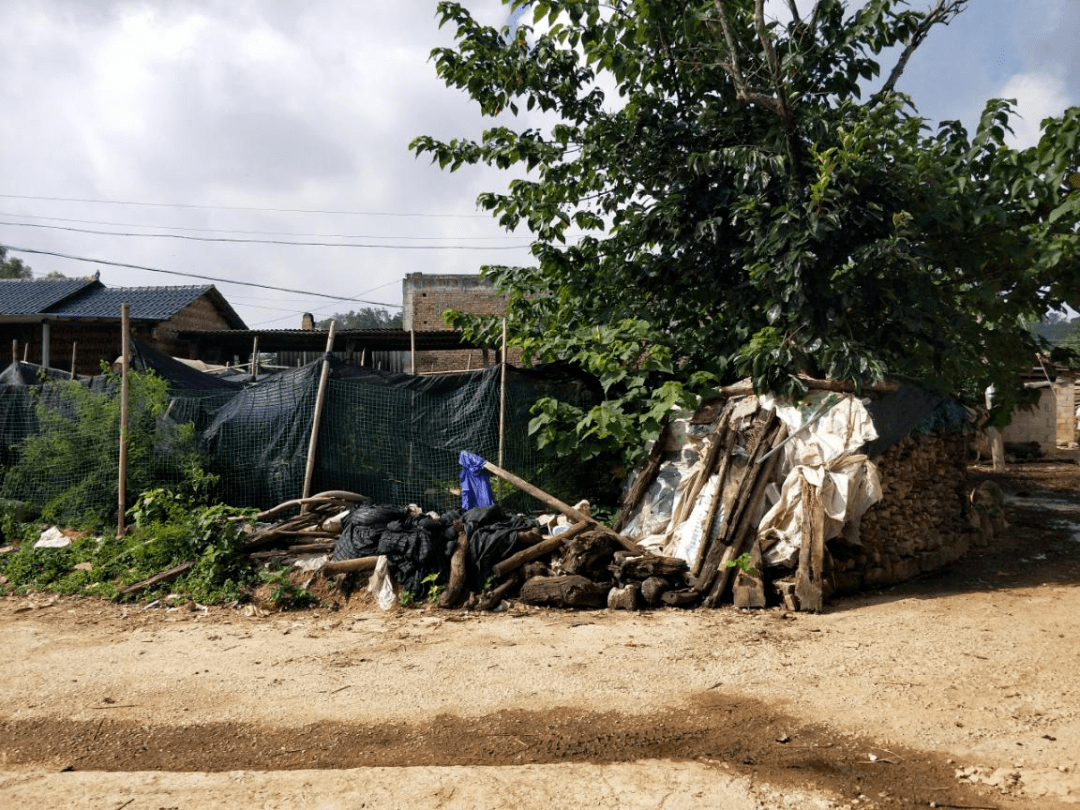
point(69, 467)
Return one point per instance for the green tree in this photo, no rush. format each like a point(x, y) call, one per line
point(13, 268)
point(364, 318)
point(749, 207)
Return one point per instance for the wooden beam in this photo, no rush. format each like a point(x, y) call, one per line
point(157, 579)
point(125, 362)
point(345, 566)
point(316, 418)
point(574, 514)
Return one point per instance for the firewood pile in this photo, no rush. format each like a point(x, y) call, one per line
point(314, 530)
point(919, 525)
point(772, 501)
point(720, 503)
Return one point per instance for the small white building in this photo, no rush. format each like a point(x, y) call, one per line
point(1052, 422)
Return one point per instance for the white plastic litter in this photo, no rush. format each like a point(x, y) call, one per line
point(52, 537)
point(381, 586)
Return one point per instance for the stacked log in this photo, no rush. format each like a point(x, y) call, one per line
point(919, 525)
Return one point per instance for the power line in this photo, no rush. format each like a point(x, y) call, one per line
point(106, 262)
point(241, 207)
point(190, 238)
point(254, 233)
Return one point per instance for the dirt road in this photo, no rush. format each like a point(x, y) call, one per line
point(960, 689)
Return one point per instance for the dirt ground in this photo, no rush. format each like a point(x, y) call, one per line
point(959, 689)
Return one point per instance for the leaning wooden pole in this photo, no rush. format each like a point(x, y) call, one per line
point(74, 354)
point(502, 396)
point(121, 489)
point(255, 358)
point(571, 512)
point(320, 400)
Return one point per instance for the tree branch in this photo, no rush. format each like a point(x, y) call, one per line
point(794, 12)
point(778, 103)
point(742, 92)
point(944, 12)
point(783, 109)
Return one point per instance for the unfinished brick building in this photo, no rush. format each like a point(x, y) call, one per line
point(425, 297)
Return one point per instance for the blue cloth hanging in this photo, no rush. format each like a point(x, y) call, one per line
point(475, 483)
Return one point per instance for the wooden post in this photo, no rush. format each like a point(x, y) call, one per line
point(74, 353)
point(14, 351)
point(412, 351)
point(255, 358)
point(25, 352)
point(46, 345)
point(502, 396)
point(125, 321)
point(320, 400)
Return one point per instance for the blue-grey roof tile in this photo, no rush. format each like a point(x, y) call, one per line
point(20, 297)
point(144, 303)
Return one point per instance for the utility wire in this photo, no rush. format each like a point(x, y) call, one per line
point(243, 207)
point(262, 241)
point(255, 233)
point(14, 249)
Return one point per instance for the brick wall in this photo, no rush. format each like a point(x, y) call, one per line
point(425, 297)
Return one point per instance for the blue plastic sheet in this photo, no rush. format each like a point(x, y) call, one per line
point(475, 483)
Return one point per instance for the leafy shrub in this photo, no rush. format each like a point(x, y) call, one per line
point(69, 466)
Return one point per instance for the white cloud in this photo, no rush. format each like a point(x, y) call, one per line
point(1038, 96)
point(283, 104)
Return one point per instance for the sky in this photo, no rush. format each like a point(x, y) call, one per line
point(127, 127)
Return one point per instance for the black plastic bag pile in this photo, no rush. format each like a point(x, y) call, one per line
point(417, 546)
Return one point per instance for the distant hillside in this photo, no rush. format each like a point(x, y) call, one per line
point(1055, 331)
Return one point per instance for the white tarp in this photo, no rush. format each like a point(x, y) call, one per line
point(826, 435)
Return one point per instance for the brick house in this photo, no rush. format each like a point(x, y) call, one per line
point(44, 320)
point(425, 297)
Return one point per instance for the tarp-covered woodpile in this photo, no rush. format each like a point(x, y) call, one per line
point(475, 558)
point(766, 499)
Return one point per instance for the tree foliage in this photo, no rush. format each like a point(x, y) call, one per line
point(714, 194)
point(364, 318)
point(13, 268)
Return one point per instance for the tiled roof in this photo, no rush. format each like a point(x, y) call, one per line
point(89, 298)
point(19, 297)
point(144, 303)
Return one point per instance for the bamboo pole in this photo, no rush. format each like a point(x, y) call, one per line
point(316, 419)
point(14, 351)
point(502, 396)
point(74, 353)
point(255, 358)
point(125, 321)
point(412, 351)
